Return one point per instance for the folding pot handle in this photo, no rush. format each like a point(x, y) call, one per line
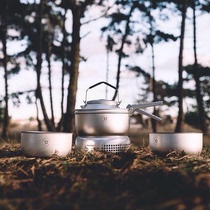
point(136, 108)
point(148, 114)
point(99, 83)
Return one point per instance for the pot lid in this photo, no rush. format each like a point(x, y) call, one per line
point(101, 104)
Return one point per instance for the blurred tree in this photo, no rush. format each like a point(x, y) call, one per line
point(201, 77)
point(120, 27)
point(4, 25)
point(182, 6)
point(78, 9)
point(39, 93)
point(199, 97)
point(55, 46)
point(192, 118)
point(42, 32)
point(155, 36)
point(139, 29)
point(42, 28)
point(66, 62)
point(48, 40)
point(205, 6)
point(31, 42)
point(10, 21)
point(1, 112)
point(109, 48)
point(197, 70)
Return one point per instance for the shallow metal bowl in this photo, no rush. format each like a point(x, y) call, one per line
point(45, 144)
point(189, 143)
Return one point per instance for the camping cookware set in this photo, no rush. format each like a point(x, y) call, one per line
point(101, 124)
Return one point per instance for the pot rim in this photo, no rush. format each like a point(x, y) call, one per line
point(46, 132)
point(176, 133)
point(102, 101)
point(101, 111)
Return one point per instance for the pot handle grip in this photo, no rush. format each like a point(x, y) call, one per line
point(99, 83)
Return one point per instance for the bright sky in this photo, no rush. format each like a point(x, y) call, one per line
point(94, 70)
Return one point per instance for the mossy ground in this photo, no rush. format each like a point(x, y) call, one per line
point(134, 180)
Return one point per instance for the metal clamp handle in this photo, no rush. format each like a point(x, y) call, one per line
point(85, 101)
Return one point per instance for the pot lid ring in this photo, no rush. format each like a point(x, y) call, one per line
point(102, 101)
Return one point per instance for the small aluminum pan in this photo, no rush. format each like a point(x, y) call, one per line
point(188, 142)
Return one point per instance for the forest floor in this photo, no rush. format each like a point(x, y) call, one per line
point(133, 180)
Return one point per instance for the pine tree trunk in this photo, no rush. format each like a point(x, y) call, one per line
point(6, 98)
point(60, 124)
point(179, 124)
point(69, 118)
point(39, 95)
point(120, 53)
point(199, 96)
point(153, 121)
point(39, 123)
point(48, 54)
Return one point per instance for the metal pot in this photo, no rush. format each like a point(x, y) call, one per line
point(104, 117)
point(45, 144)
point(190, 143)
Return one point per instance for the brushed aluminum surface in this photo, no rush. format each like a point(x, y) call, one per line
point(189, 143)
point(45, 144)
point(102, 123)
point(112, 144)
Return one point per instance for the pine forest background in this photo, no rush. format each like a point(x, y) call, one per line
point(46, 35)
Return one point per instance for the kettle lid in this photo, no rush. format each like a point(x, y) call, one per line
point(103, 101)
point(101, 104)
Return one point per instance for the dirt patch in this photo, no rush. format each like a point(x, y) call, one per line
point(137, 179)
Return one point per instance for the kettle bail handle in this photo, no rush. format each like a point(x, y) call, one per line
point(99, 83)
point(102, 83)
